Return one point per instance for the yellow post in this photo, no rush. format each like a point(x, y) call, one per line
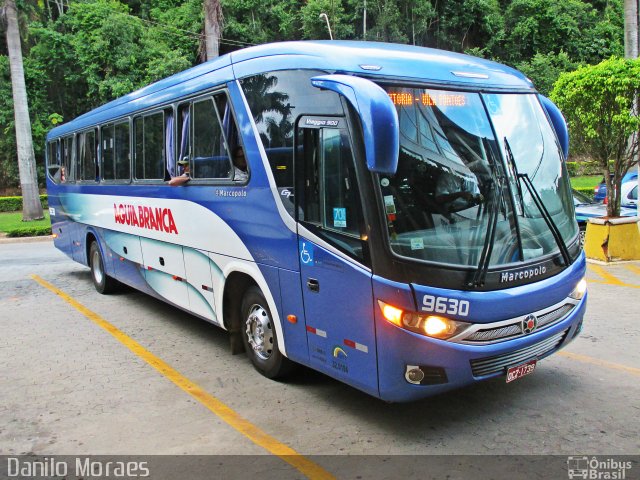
point(614, 239)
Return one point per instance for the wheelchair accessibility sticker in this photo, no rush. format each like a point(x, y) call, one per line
point(306, 252)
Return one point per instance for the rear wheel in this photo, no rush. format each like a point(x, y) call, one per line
point(259, 336)
point(103, 282)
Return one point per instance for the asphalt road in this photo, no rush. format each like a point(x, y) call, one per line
point(68, 387)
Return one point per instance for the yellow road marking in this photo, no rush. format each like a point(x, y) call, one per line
point(601, 363)
point(602, 282)
point(225, 413)
point(598, 270)
point(633, 268)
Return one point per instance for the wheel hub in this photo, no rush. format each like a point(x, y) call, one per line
point(97, 267)
point(259, 332)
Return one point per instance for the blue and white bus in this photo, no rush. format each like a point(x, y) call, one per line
point(403, 222)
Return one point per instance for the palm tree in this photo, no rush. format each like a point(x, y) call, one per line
point(31, 206)
point(212, 28)
point(631, 28)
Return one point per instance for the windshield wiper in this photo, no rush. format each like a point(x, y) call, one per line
point(524, 178)
point(487, 248)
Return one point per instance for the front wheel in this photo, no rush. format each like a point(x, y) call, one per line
point(259, 336)
point(103, 283)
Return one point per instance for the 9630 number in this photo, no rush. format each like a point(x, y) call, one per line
point(450, 306)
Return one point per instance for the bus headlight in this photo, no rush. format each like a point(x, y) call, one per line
point(430, 325)
point(580, 290)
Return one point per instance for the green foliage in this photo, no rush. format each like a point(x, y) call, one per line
point(35, 231)
point(541, 26)
point(587, 35)
point(598, 102)
point(260, 21)
point(14, 204)
point(314, 27)
point(545, 68)
point(462, 24)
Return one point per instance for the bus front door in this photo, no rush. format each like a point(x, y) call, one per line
point(336, 283)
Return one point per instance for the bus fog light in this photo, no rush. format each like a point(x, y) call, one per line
point(414, 374)
point(580, 290)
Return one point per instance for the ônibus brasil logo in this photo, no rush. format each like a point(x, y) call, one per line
point(158, 218)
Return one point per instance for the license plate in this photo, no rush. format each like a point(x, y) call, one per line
point(521, 370)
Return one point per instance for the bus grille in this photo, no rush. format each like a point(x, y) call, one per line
point(515, 329)
point(498, 363)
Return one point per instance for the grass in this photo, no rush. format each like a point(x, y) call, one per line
point(11, 223)
point(589, 181)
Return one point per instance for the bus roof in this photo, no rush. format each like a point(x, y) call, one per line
point(372, 59)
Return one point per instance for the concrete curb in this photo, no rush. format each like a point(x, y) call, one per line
point(42, 238)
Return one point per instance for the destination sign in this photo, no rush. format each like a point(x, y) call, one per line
point(428, 99)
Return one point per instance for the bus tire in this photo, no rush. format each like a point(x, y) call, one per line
point(104, 283)
point(259, 336)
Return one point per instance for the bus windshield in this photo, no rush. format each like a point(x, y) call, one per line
point(454, 196)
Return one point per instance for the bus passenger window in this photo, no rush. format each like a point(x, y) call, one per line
point(115, 152)
point(108, 165)
point(67, 173)
point(210, 148)
point(121, 153)
point(149, 149)
point(87, 156)
point(54, 166)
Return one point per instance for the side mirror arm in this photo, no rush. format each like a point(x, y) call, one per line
point(558, 122)
point(378, 116)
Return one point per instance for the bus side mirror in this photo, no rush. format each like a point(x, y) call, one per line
point(378, 116)
point(559, 124)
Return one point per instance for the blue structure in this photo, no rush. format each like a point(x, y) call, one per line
point(403, 223)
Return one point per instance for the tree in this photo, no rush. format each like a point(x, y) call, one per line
point(544, 69)
point(31, 206)
point(598, 102)
point(631, 28)
point(314, 27)
point(212, 28)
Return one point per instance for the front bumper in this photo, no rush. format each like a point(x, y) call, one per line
point(462, 364)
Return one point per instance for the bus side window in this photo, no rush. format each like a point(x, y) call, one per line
point(108, 164)
point(115, 152)
point(210, 157)
point(54, 166)
point(67, 174)
point(149, 132)
point(331, 203)
point(214, 135)
point(121, 153)
point(87, 150)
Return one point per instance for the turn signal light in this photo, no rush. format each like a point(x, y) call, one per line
point(391, 313)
